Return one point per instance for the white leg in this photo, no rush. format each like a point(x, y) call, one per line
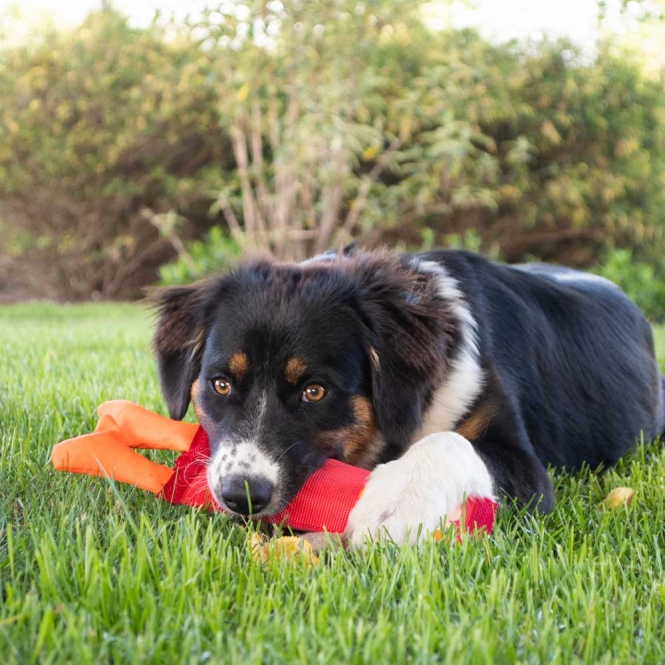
point(427, 484)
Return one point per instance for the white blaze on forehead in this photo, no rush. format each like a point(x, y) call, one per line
point(261, 411)
point(464, 380)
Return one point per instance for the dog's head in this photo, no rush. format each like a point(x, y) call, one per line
point(289, 365)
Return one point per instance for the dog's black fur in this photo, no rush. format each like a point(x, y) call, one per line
point(568, 363)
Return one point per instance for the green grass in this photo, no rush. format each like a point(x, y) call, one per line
point(93, 573)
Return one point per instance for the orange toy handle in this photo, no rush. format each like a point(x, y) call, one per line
point(107, 452)
point(146, 429)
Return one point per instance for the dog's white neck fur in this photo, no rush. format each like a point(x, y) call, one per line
point(464, 381)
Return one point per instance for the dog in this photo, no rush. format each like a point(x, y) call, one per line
point(446, 374)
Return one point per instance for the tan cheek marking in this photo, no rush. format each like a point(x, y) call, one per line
point(361, 441)
point(363, 444)
point(193, 395)
point(476, 424)
point(295, 369)
point(239, 364)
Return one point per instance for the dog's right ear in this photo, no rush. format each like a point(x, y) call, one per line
point(178, 341)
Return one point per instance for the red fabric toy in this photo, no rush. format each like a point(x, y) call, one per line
point(322, 504)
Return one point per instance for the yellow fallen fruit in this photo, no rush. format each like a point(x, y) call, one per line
point(619, 496)
point(285, 548)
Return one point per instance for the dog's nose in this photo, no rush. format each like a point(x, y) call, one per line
point(246, 495)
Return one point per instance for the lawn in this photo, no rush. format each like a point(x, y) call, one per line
point(95, 573)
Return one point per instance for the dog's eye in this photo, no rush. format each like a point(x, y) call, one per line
point(221, 386)
point(313, 393)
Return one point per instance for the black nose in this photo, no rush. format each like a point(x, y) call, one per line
point(246, 496)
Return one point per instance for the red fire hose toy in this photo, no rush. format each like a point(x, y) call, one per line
point(322, 504)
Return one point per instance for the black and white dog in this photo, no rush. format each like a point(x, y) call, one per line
point(447, 374)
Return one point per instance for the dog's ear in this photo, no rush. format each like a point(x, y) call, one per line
point(178, 341)
point(409, 334)
point(350, 249)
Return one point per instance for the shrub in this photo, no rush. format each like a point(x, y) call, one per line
point(95, 126)
point(215, 253)
point(291, 127)
point(643, 282)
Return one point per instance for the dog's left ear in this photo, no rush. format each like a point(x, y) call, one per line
point(178, 341)
point(409, 335)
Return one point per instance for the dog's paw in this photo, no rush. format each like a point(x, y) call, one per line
point(409, 498)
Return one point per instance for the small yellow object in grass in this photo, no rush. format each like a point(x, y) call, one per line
point(619, 496)
point(285, 548)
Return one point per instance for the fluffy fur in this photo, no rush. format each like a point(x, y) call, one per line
point(530, 365)
point(410, 496)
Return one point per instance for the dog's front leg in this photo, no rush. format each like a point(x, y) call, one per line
point(409, 497)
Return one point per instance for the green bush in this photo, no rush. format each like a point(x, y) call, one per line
point(643, 282)
point(97, 126)
point(215, 253)
point(293, 127)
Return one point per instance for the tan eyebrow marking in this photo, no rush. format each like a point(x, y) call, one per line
point(239, 364)
point(361, 441)
point(295, 369)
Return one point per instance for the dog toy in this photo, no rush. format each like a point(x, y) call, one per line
point(322, 504)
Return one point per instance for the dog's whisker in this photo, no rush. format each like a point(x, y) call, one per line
point(287, 450)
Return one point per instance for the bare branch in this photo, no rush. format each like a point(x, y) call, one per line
point(331, 200)
point(232, 221)
point(267, 209)
point(254, 223)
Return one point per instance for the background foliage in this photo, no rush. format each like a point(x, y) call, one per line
point(292, 127)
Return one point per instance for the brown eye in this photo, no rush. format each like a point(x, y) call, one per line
point(313, 393)
point(221, 386)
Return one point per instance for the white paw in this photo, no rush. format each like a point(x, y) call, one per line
point(407, 499)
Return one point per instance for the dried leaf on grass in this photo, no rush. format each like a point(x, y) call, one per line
point(619, 496)
point(285, 548)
